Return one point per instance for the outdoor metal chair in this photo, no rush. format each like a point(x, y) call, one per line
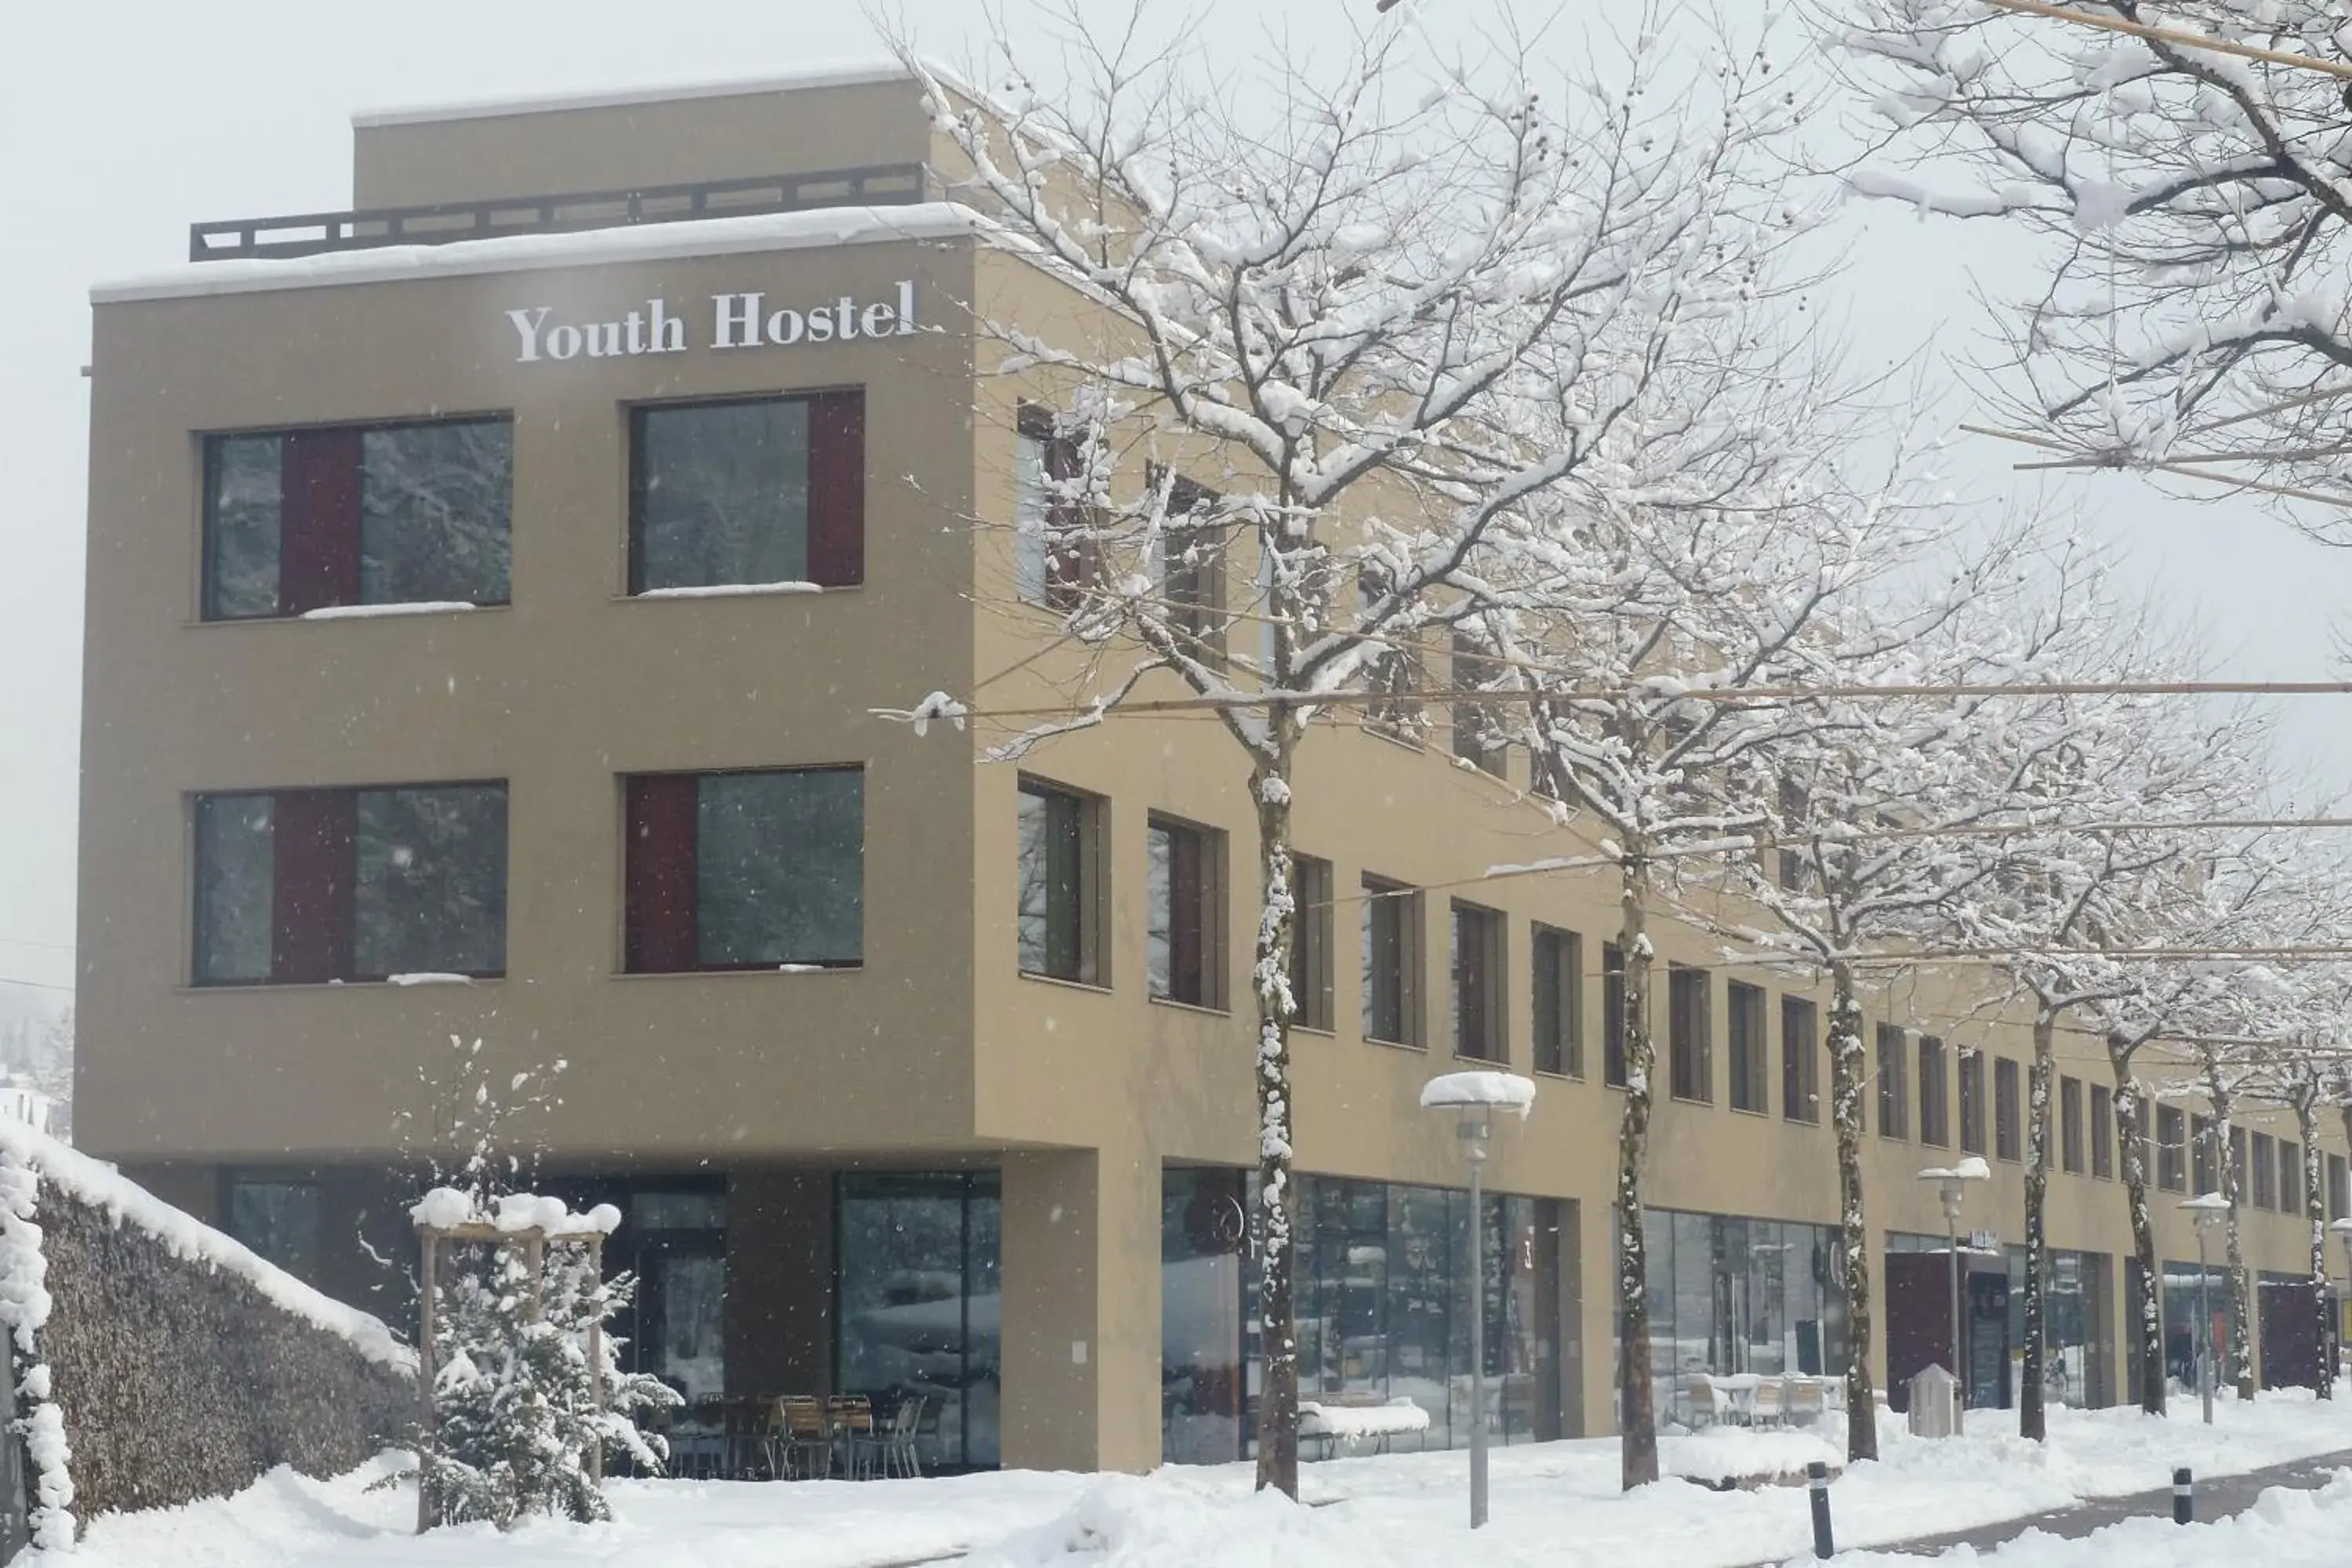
point(805, 1445)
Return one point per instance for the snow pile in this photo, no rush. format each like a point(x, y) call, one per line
point(25, 1309)
point(124, 1202)
point(1354, 1422)
point(2285, 1529)
point(446, 1208)
point(1501, 1091)
point(1152, 1522)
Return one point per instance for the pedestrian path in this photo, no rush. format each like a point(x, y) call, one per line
point(2219, 1497)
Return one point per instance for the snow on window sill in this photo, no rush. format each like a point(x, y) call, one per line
point(730, 591)
point(755, 970)
point(1200, 1007)
point(373, 983)
point(379, 612)
point(429, 977)
point(1095, 986)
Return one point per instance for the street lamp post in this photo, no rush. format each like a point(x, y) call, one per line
point(1952, 1187)
point(2208, 1209)
point(1473, 1098)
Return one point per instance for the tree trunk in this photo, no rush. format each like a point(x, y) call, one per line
point(1277, 1410)
point(1846, 1074)
point(2147, 1313)
point(2032, 1420)
point(2241, 1357)
point(2306, 1101)
point(1637, 1393)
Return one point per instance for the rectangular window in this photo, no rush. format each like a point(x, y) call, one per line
point(1612, 1014)
point(1972, 1101)
point(1801, 1060)
point(1391, 1000)
point(2339, 1192)
point(1056, 546)
point(1935, 1093)
point(1894, 1091)
point(2291, 1195)
point(1191, 569)
point(1690, 1033)
point(1750, 1075)
point(1310, 942)
point(1477, 734)
point(745, 870)
point(1558, 1001)
point(2006, 1123)
point(2171, 1149)
point(2264, 1172)
point(2201, 1177)
point(748, 491)
point(308, 886)
point(1183, 895)
point(299, 520)
point(1395, 672)
point(1476, 963)
point(2103, 1131)
point(2237, 1160)
point(279, 1220)
point(2070, 1125)
point(1058, 921)
point(1793, 860)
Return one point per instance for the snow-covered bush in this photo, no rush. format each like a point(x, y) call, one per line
point(523, 1411)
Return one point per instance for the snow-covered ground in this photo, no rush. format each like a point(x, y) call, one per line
point(1554, 1503)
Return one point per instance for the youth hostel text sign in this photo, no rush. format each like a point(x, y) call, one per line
point(735, 321)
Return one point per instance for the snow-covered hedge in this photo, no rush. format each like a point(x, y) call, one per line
point(157, 1361)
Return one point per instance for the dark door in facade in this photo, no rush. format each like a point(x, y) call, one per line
point(2295, 1345)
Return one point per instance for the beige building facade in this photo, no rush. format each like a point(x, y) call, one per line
point(487, 638)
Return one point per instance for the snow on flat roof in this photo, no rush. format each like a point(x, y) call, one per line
point(861, 73)
point(531, 252)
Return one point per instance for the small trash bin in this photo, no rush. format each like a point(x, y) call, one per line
point(1935, 1402)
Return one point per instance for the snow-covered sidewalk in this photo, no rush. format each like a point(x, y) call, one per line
point(1554, 1503)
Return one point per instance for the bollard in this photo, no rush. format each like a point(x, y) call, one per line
point(1817, 1481)
point(2184, 1498)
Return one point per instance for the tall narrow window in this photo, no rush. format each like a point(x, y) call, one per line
point(2237, 1160)
point(1477, 969)
point(747, 492)
point(1394, 674)
point(317, 520)
point(2005, 1120)
point(316, 885)
point(1935, 1094)
point(1392, 966)
point(1057, 925)
point(745, 870)
point(1477, 737)
point(1191, 569)
point(1792, 870)
point(2339, 1192)
point(2201, 1165)
point(1801, 1060)
point(1183, 895)
point(2070, 1125)
point(1558, 1001)
point(2103, 1131)
point(1689, 1032)
point(1057, 550)
point(1612, 1014)
point(2263, 1168)
point(1972, 1101)
point(1750, 1075)
point(1894, 1085)
point(2291, 1195)
point(1310, 942)
point(2171, 1148)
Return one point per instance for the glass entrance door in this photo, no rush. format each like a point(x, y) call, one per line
point(920, 1303)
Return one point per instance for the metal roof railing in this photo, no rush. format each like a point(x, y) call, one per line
point(443, 222)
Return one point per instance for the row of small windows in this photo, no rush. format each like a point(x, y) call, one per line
point(741, 493)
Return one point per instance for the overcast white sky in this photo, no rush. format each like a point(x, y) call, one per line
point(122, 122)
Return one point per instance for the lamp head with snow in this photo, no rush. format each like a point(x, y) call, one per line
point(1489, 1091)
point(2207, 1208)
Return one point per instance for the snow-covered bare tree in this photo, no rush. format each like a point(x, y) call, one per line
point(1353, 312)
point(2196, 205)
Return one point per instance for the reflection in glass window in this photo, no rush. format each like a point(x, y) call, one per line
point(279, 1220)
point(723, 494)
point(329, 516)
point(233, 887)
point(920, 1305)
point(1052, 926)
point(431, 892)
point(779, 861)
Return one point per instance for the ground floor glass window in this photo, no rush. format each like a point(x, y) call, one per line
point(919, 1309)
